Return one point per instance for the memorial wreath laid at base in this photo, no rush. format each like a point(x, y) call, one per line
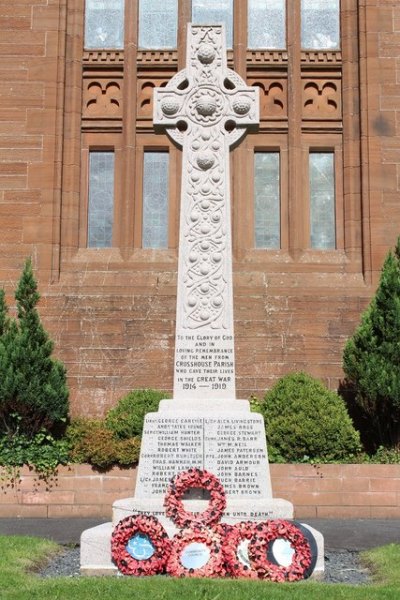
point(274, 550)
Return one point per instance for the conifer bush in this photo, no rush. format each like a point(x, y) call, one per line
point(304, 421)
point(33, 389)
point(371, 358)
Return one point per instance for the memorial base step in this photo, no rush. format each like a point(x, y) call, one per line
point(238, 509)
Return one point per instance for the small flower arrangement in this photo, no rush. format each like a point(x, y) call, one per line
point(213, 562)
point(180, 484)
point(151, 528)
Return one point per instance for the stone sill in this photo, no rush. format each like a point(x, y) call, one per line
point(317, 491)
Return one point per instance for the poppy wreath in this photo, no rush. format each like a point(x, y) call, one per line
point(180, 484)
point(265, 534)
point(313, 547)
point(149, 526)
point(234, 536)
point(214, 567)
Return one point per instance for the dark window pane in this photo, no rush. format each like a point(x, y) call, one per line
point(266, 200)
point(101, 199)
point(155, 200)
point(322, 200)
point(104, 24)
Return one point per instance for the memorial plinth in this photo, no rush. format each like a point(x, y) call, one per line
point(205, 109)
point(224, 438)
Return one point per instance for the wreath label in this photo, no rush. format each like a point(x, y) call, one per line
point(140, 547)
point(195, 555)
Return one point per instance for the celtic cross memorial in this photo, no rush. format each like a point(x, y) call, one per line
point(206, 108)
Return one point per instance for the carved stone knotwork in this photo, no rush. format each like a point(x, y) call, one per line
point(205, 108)
point(321, 99)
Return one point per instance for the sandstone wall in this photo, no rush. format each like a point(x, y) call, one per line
point(112, 317)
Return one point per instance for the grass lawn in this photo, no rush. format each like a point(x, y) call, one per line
point(20, 555)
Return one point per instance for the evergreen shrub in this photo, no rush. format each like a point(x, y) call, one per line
point(127, 418)
point(33, 388)
point(371, 358)
point(305, 421)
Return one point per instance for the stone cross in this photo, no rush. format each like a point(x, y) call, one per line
point(205, 108)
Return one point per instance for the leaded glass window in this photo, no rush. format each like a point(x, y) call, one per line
point(104, 24)
point(267, 200)
point(266, 24)
point(158, 24)
point(320, 24)
point(214, 12)
point(322, 200)
point(155, 200)
point(101, 199)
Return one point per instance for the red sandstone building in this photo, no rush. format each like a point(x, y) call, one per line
point(92, 193)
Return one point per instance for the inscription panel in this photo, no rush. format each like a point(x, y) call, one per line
point(204, 364)
point(232, 448)
point(235, 452)
point(170, 445)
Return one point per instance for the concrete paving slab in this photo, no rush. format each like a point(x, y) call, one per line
point(63, 531)
point(357, 534)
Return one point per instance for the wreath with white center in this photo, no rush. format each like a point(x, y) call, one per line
point(196, 552)
point(266, 534)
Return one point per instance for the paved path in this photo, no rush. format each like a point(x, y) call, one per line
point(346, 534)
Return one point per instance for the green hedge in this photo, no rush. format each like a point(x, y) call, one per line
point(304, 421)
